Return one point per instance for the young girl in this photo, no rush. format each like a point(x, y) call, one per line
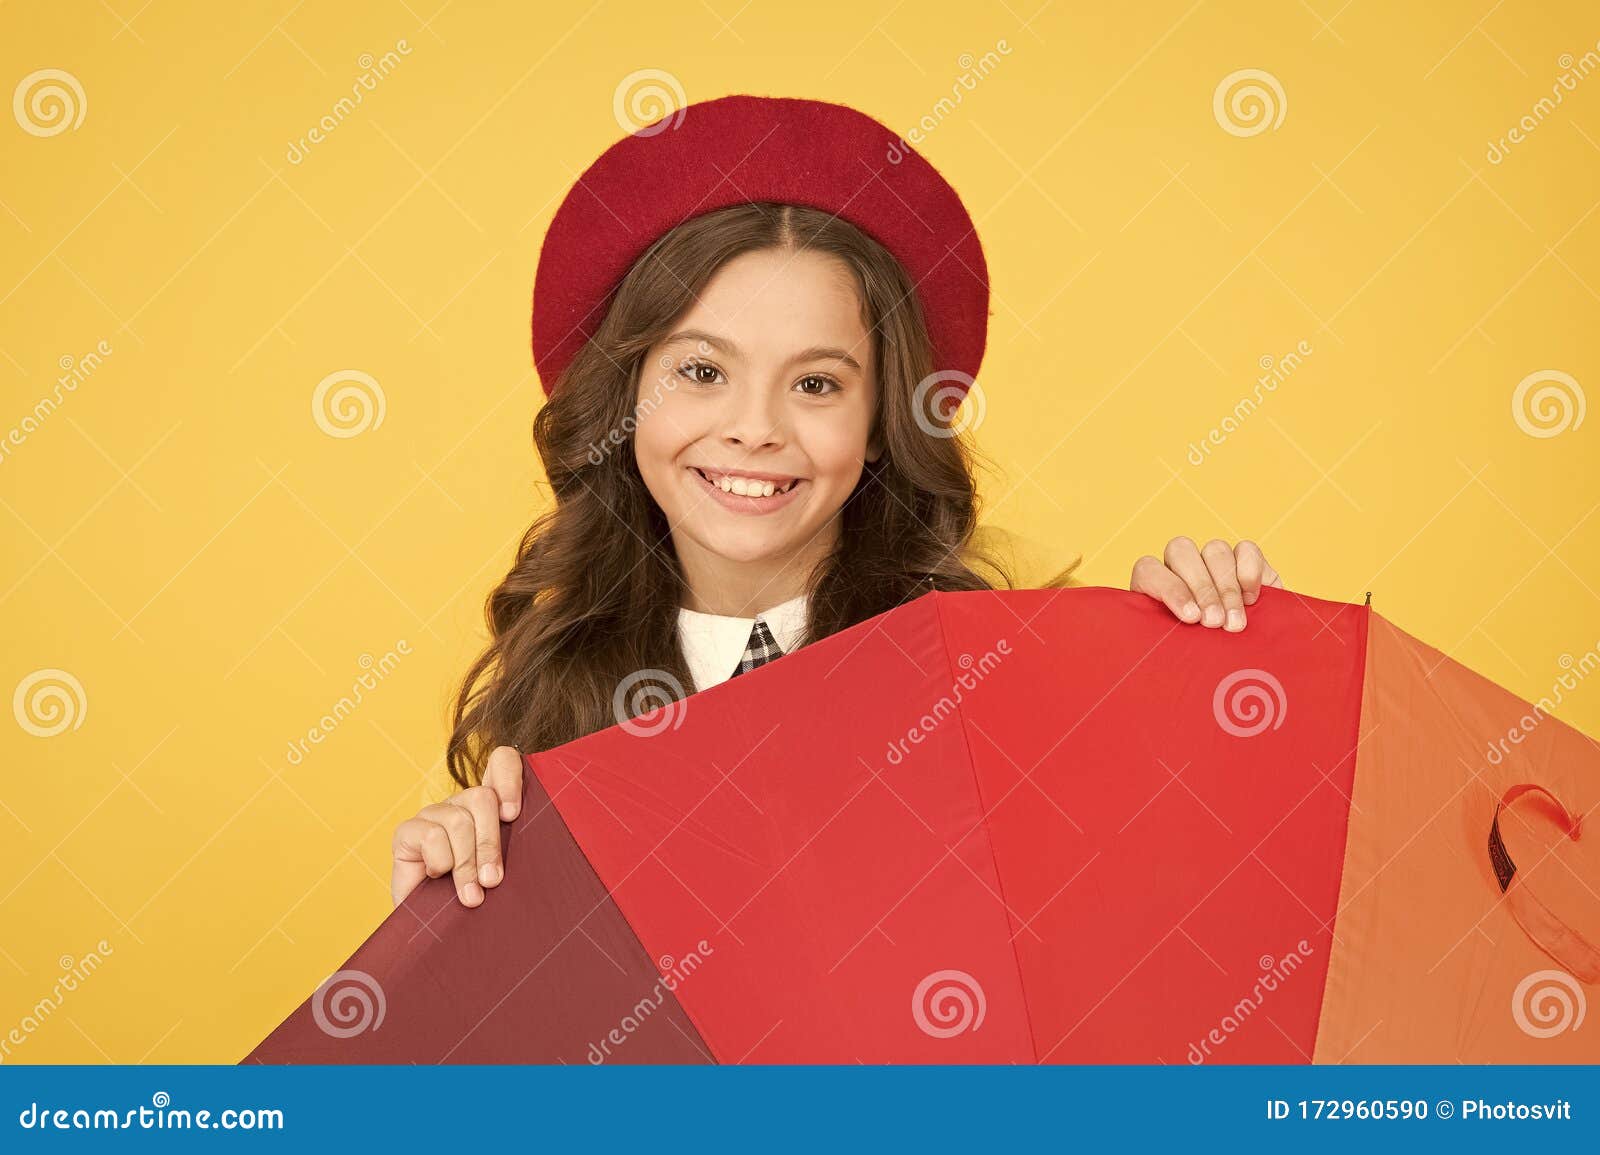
point(742, 450)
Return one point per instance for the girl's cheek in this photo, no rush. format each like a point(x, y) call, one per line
point(649, 449)
point(654, 395)
point(837, 446)
point(664, 399)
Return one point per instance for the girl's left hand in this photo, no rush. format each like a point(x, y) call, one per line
point(1210, 585)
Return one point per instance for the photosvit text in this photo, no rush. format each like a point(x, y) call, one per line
point(1482, 1109)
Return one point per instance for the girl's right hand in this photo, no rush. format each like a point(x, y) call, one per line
point(461, 835)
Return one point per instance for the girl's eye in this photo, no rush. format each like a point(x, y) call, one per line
point(693, 370)
point(829, 385)
point(703, 373)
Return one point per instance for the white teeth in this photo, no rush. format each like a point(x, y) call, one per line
point(749, 487)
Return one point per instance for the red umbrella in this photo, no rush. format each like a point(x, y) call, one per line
point(1023, 826)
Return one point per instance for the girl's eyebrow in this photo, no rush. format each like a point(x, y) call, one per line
point(815, 353)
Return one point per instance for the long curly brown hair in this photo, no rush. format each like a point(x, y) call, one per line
point(593, 596)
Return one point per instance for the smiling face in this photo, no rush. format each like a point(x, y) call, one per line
point(753, 420)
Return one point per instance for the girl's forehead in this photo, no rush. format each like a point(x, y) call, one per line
point(774, 301)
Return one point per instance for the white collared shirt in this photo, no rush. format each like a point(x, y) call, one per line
point(714, 643)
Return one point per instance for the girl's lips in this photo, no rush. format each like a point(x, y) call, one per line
point(738, 504)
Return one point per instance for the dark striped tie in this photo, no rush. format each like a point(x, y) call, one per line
point(761, 649)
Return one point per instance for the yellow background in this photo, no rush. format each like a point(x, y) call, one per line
point(184, 539)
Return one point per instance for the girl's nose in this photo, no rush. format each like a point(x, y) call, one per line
point(754, 418)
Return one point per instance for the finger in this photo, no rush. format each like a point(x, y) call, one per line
point(1269, 576)
point(1251, 565)
point(503, 775)
point(417, 855)
point(1152, 578)
point(1218, 556)
point(1183, 558)
point(462, 834)
point(484, 805)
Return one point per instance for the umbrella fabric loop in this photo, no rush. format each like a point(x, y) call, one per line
point(1549, 933)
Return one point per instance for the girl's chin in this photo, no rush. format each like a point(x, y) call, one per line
point(743, 542)
point(743, 550)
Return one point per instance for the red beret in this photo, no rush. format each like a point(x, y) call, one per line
point(739, 149)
